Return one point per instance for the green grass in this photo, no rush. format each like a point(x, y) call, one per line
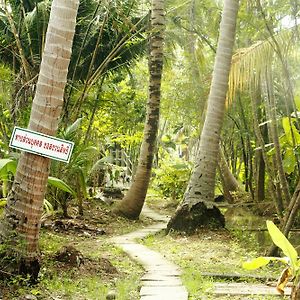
point(78, 285)
point(88, 281)
point(209, 252)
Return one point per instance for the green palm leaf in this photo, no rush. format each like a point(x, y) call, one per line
point(60, 184)
point(249, 63)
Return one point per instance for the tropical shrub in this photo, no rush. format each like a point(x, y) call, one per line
point(75, 173)
point(171, 178)
point(292, 269)
point(8, 167)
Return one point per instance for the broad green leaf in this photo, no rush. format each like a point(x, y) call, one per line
point(58, 183)
point(256, 263)
point(101, 163)
point(12, 167)
point(261, 261)
point(87, 153)
point(9, 164)
point(82, 182)
point(72, 129)
point(282, 242)
point(289, 161)
point(2, 203)
point(289, 128)
point(286, 125)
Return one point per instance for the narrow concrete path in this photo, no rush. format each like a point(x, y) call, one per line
point(161, 280)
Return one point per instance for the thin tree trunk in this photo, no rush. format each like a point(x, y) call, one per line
point(292, 211)
point(259, 155)
point(261, 143)
point(197, 207)
point(65, 115)
point(24, 62)
point(229, 182)
point(247, 152)
point(289, 219)
point(79, 196)
point(94, 110)
point(296, 292)
point(133, 202)
point(20, 225)
point(274, 133)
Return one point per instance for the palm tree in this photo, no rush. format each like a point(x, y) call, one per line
point(133, 202)
point(197, 206)
point(108, 36)
point(261, 57)
point(19, 228)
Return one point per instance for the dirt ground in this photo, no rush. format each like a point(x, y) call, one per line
point(79, 262)
point(77, 249)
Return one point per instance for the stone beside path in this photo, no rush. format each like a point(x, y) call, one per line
point(161, 280)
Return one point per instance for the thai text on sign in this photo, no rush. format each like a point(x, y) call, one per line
point(41, 144)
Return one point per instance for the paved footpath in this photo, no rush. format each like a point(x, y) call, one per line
point(161, 280)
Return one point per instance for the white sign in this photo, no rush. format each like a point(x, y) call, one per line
point(41, 144)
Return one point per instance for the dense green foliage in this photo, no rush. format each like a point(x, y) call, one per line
point(107, 92)
point(171, 178)
point(106, 99)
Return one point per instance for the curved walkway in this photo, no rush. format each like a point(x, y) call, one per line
point(161, 279)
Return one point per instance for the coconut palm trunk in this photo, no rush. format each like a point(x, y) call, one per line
point(133, 202)
point(197, 206)
point(19, 228)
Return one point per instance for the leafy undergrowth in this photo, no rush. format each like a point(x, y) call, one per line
point(79, 262)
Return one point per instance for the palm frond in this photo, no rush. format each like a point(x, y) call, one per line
point(72, 130)
point(33, 31)
point(248, 63)
point(121, 33)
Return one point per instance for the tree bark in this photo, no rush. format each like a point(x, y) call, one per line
point(132, 204)
point(289, 218)
point(291, 212)
point(202, 182)
point(259, 155)
point(20, 225)
point(296, 292)
point(271, 108)
point(261, 144)
point(229, 182)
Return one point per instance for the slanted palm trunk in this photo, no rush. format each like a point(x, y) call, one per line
point(197, 207)
point(20, 226)
point(229, 182)
point(133, 201)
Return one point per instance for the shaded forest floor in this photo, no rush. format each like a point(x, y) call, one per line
point(80, 262)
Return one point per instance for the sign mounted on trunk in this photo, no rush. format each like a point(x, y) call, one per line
point(41, 144)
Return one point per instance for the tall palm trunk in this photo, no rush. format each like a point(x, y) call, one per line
point(197, 207)
point(20, 225)
point(133, 201)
